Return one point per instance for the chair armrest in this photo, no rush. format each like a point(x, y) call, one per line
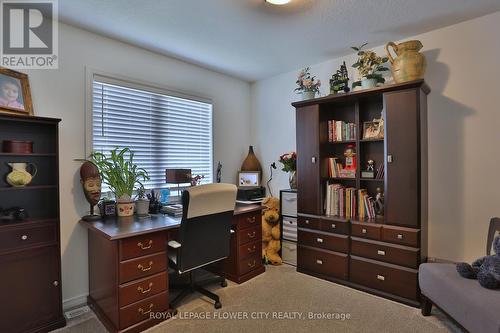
point(173, 244)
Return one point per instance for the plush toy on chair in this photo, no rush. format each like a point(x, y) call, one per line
point(486, 269)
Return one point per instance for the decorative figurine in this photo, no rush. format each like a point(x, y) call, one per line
point(219, 172)
point(350, 158)
point(340, 80)
point(379, 202)
point(91, 182)
point(370, 170)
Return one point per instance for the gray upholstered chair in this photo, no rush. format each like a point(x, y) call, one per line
point(204, 236)
point(473, 307)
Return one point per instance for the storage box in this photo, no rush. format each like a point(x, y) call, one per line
point(289, 228)
point(289, 252)
point(289, 203)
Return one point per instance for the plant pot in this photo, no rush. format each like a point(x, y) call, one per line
point(142, 207)
point(368, 83)
point(308, 94)
point(125, 208)
point(292, 179)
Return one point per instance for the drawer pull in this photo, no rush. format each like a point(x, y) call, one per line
point(307, 221)
point(381, 277)
point(251, 235)
point(143, 312)
point(145, 247)
point(319, 240)
point(380, 252)
point(251, 220)
point(363, 231)
point(400, 236)
point(319, 262)
point(252, 250)
point(55, 283)
point(252, 265)
point(145, 291)
point(334, 226)
point(145, 269)
point(24, 237)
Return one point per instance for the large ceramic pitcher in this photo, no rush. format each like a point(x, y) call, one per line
point(409, 64)
point(19, 176)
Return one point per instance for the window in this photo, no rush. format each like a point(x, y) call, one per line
point(162, 129)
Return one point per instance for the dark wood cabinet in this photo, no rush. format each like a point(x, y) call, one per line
point(379, 255)
point(30, 253)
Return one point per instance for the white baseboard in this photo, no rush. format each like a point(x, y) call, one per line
point(74, 302)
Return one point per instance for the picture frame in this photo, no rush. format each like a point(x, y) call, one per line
point(15, 93)
point(373, 130)
point(249, 179)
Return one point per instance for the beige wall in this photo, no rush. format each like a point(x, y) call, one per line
point(464, 137)
point(61, 93)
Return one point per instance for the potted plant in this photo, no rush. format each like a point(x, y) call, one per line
point(121, 174)
point(369, 66)
point(289, 161)
point(141, 202)
point(307, 86)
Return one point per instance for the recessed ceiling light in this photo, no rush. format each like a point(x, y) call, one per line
point(278, 2)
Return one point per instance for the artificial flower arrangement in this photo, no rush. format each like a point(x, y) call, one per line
point(369, 66)
point(306, 82)
point(289, 161)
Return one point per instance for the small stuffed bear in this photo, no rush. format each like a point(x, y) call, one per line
point(271, 231)
point(486, 269)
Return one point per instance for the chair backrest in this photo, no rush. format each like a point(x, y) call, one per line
point(492, 232)
point(205, 229)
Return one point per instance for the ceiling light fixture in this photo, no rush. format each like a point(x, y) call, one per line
point(278, 2)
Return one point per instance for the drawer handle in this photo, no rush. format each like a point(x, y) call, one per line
point(251, 235)
point(252, 265)
point(291, 199)
point(319, 262)
point(363, 231)
point(150, 244)
point(381, 277)
point(380, 252)
point(319, 240)
point(145, 291)
point(24, 237)
point(400, 236)
point(143, 312)
point(334, 226)
point(307, 221)
point(252, 250)
point(251, 219)
point(145, 269)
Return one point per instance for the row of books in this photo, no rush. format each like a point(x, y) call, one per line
point(336, 170)
point(172, 210)
point(380, 172)
point(341, 131)
point(348, 202)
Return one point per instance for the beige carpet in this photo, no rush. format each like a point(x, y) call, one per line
point(289, 297)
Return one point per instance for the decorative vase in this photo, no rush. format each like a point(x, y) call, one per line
point(292, 179)
point(368, 83)
point(142, 207)
point(308, 94)
point(19, 176)
point(409, 63)
point(251, 163)
point(124, 206)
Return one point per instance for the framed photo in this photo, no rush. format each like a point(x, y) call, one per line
point(373, 130)
point(15, 94)
point(248, 178)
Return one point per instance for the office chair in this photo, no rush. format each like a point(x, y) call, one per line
point(204, 236)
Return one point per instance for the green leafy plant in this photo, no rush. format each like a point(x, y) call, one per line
point(369, 64)
point(119, 171)
point(289, 161)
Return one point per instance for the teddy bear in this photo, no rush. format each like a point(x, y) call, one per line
point(271, 243)
point(486, 269)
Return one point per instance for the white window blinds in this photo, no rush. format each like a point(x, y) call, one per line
point(164, 131)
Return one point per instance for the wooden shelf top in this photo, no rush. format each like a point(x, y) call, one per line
point(372, 179)
point(372, 140)
point(32, 119)
point(341, 142)
point(27, 155)
point(28, 187)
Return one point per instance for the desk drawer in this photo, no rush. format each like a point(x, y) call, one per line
point(250, 234)
point(289, 203)
point(140, 311)
point(328, 263)
point(308, 222)
point(400, 235)
point(290, 228)
point(142, 245)
point(335, 226)
point(249, 220)
point(338, 243)
point(141, 289)
point(366, 230)
point(250, 264)
point(250, 249)
point(394, 254)
point(142, 267)
point(385, 277)
point(15, 237)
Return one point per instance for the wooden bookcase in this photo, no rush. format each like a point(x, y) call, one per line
point(30, 251)
point(378, 255)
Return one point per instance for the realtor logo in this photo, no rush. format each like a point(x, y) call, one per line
point(29, 34)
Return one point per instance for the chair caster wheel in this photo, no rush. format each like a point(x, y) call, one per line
point(217, 305)
point(223, 284)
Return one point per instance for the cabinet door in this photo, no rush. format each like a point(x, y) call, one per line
point(30, 289)
point(308, 164)
point(402, 158)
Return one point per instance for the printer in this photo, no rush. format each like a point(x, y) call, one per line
point(251, 193)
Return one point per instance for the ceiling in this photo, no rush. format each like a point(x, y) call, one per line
point(252, 40)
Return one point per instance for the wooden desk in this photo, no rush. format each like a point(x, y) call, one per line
point(128, 275)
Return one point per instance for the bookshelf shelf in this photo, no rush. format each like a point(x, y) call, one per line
point(371, 180)
point(342, 142)
point(28, 155)
point(26, 188)
point(372, 140)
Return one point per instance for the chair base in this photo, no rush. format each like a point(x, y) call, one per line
point(192, 286)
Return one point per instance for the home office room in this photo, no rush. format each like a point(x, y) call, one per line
point(221, 166)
